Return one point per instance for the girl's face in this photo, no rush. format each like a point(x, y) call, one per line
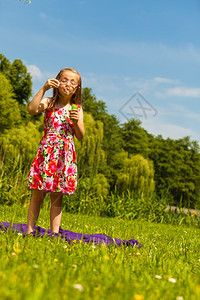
point(69, 81)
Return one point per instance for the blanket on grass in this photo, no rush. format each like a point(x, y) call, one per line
point(69, 236)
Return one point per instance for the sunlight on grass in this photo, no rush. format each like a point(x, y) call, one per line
point(166, 267)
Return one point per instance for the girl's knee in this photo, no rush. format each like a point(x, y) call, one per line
point(56, 199)
point(38, 195)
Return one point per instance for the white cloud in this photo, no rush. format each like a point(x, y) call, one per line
point(162, 87)
point(180, 112)
point(35, 72)
point(156, 126)
point(162, 125)
point(182, 91)
point(165, 80)
point(146, 85)
point(176, 132)
point(183, 111)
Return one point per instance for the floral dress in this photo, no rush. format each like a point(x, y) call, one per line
point(54, 168)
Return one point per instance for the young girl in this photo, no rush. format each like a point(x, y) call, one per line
point(54, 168)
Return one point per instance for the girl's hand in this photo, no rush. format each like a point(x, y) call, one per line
point(51, 83)
point(74, 115)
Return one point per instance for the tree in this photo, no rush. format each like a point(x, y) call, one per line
point(90, 104)
point(21, 141)
point(177, 169)
point(98, 187)
point(4, 65)
point(10, 113)
point(91, 158)
point(112, 143)
point(20, 80)
point(136, 139)
point(89, 151)
point(136, 174)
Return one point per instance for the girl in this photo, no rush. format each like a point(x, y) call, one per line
point(54, 167)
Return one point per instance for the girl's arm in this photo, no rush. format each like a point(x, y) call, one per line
point(38, 103)
point(77, 117)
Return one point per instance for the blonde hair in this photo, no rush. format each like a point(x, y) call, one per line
point(76, 97)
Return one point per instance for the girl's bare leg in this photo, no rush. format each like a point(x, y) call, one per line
point(55, 211)
point(34, 209)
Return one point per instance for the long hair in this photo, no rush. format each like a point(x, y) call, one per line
point(76, 97)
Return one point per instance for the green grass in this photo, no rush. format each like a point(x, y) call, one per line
point(49, 268)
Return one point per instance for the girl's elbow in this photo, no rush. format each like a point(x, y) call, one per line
point(80, 136)
point(31, 111)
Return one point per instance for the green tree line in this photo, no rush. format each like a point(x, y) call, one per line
point(112, 157)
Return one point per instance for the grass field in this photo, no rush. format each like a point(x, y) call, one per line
point(166, 267)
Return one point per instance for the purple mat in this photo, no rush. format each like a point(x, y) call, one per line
point(68, 235)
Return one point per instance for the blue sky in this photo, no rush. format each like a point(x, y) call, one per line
point(141, 57)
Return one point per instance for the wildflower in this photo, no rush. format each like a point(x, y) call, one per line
point(139, 297)
point(13, 254)
point(179, 298)
point(172, 280)
point(19, 233)
point(137, 253)
point(106, 257)
point(55, 260)
point(78, 287)
point(35, 266)
point(61, 264)
point(74, 241)
point(158, 276)
point(17, 251)
point(74, 266)
point(93, 247)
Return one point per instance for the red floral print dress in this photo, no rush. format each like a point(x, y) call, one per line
point(54, 168)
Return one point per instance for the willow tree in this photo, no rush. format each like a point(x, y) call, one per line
point(90, 156)
point(136, 174)
point(21, 142)
point(10, 113)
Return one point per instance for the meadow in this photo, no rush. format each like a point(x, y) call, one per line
point(166, 267)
